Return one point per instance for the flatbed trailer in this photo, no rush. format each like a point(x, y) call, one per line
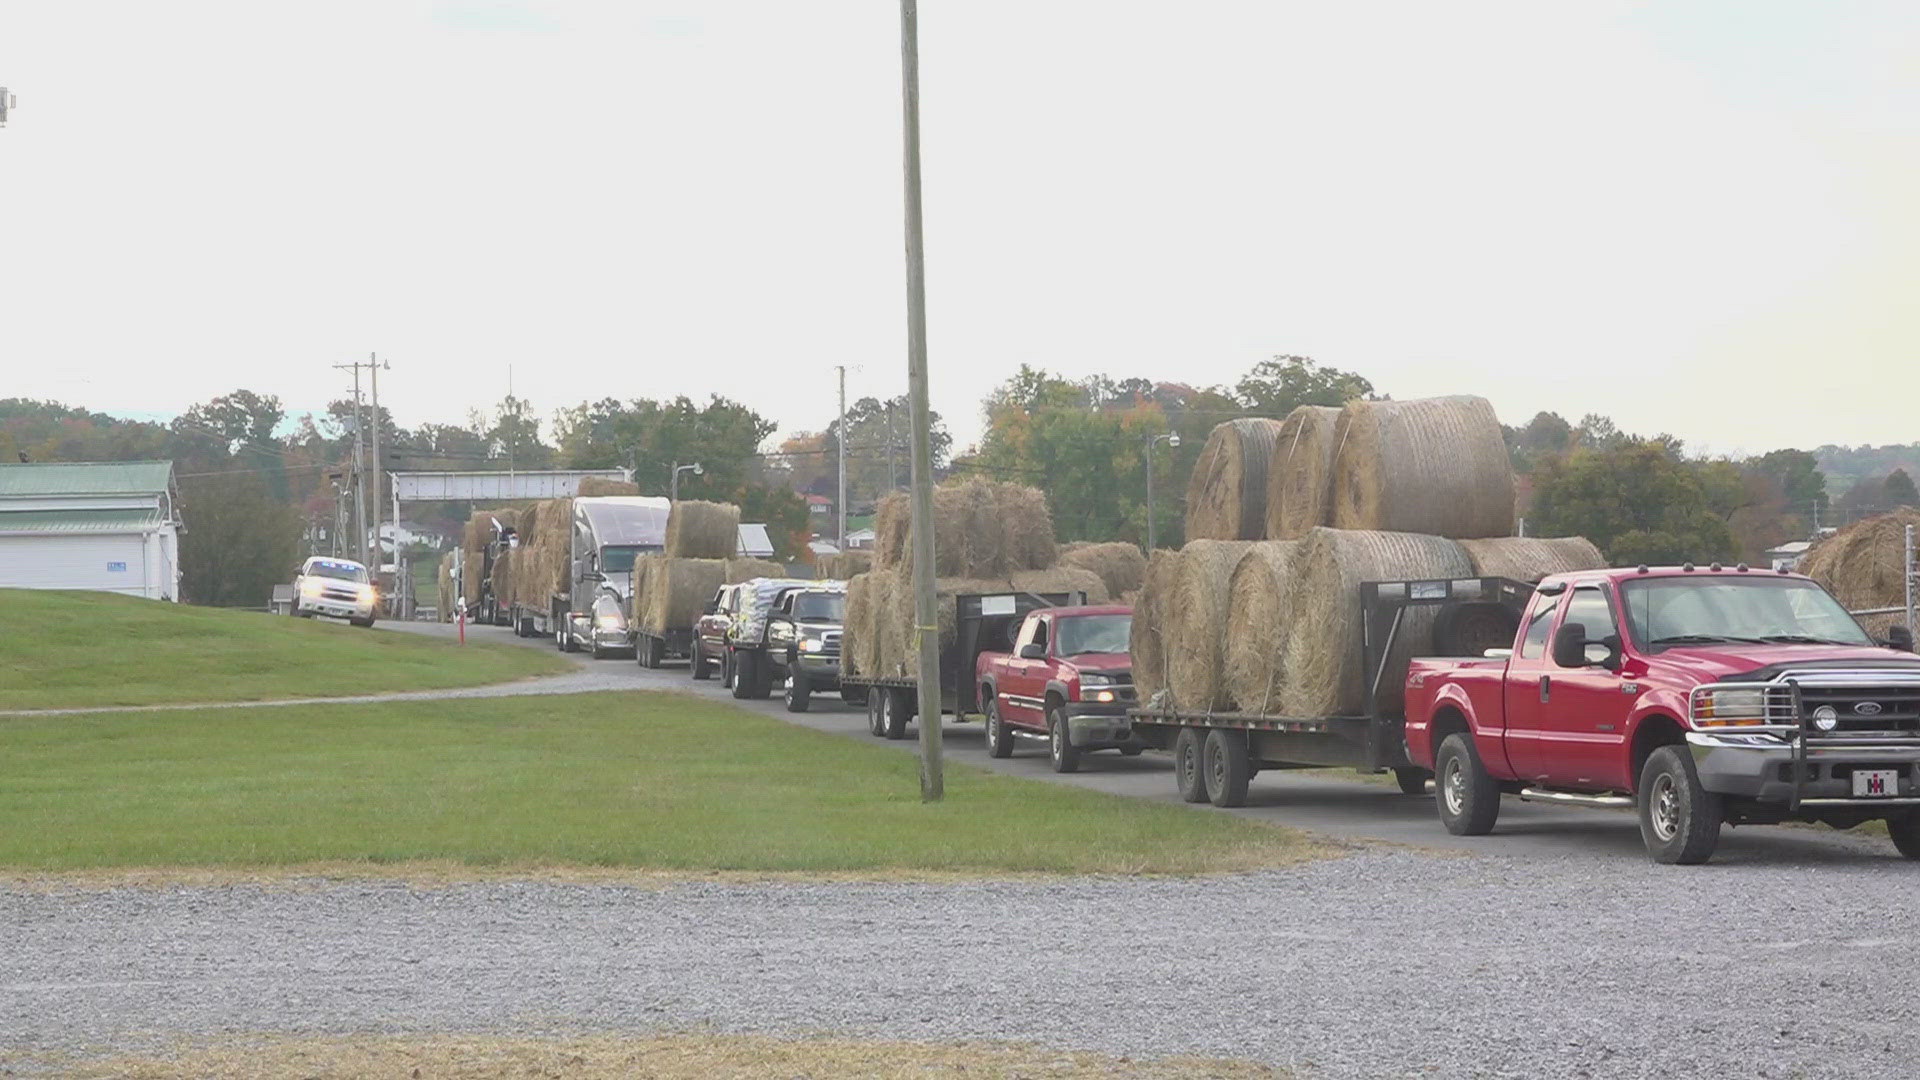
point(983, 622)
point(651, 649)
point(1217, 753)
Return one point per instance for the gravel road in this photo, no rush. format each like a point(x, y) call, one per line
point(1378, 964)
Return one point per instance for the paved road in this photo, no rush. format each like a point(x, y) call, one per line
point(1332, 803)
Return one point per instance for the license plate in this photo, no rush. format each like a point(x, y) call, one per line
point(1875, 783)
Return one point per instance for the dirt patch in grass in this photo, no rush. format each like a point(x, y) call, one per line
point(666, 1057)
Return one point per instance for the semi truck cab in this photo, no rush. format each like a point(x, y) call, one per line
point(1698, 696)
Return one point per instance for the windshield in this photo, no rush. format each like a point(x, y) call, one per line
point(617, 560)
point(1093, 634)
point(1678, 611)
point(341, 571)
point(820, 607)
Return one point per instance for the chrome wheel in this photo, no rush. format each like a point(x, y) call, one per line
point(1665, 800)
point(1056, 740)
point(1454, 787)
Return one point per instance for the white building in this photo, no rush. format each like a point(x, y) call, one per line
point(97, 526)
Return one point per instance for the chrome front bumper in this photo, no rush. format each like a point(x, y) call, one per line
point(1761, 767)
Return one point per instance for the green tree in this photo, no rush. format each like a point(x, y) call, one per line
point(1278, 386)
point(240, 540)
point(1637, 499)
point(1900, 490)
point(651, 437)
point(512, 434)
point(880, 448)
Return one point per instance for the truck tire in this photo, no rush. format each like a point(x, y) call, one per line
point(760, 677)
point(1228, 767)
point(875, 696)
point(1065, 755)
point(1188, 771)
point(893, 713)
point(697, 665)
point(1679, 819)
point(743, 665)
point(1469, 800)
point(366, 622)
point(1905, 833)
point(799, 692)
point(999, 739)
point(1412, 779)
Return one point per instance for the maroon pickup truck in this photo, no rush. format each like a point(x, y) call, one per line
point(1069, 680)
point(1697, 696)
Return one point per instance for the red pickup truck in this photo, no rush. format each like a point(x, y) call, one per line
point(1697, 696)
point(1069, 680)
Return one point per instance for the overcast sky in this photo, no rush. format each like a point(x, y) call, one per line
point(1696, 217)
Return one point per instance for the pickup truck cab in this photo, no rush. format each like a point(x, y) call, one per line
point(1697, 696)
point(803, 633)
point(1069, 680)
point(709, 649)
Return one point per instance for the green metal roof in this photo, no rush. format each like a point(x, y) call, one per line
point(67, 522)
point(58, 478)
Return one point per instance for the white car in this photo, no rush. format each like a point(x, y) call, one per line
point(336, 587)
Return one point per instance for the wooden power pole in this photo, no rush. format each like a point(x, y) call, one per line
point(926, 622)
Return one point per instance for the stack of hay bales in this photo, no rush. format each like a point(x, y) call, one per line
point(479, 532)
point(1122, 566)
point(739, 570)
point(844, 566)
point(543, 563)
point(669, 591)
point(1227, 494)
point(1864, 565)
point(599, 485)
point(990, 537)
point(1260, 612)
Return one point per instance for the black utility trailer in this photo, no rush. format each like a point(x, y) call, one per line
point(985, 622)
point(652, 650)
point(1216, 754)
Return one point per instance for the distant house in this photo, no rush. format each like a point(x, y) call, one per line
point(97, 526)
point(860, 540)
point(819, 509)
point(1788, 556)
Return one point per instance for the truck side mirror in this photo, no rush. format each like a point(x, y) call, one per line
point(1573, 649)
point(1899, 637)
point(1033, 652)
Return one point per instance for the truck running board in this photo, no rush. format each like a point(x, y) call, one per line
point(1572, 798)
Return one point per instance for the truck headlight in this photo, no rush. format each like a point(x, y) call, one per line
point(812, 644)
point(1730, 708)
point(310, 587)
point(1093, 678)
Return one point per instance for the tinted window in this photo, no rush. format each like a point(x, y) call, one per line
point(1534, 645)
point(1094, 634)
point(617, 560)
point(820, 607)
point(338, 571)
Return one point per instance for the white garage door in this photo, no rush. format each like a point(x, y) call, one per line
point(98, 563)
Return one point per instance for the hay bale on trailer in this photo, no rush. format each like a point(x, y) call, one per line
point(676, 591)
point(1259, 600)
point(548, 568)
point(1528, 558)
point(856, 636)
point(1324, 675)
point(1863, 566)
point(1300, 476)
point(1196, 620)
point(1227, 494)
point(906, 660)
point(739, 570)
point(1436, 465)
point(479, 532)
point(1147, 644)
point(845, 566)
point(703, 530)
point(1122, 566)
point(599, 485)
point(982, 529)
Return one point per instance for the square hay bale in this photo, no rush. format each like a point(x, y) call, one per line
point(703, 530)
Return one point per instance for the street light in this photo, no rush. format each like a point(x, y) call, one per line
point(674, 488)
point(1172, 439)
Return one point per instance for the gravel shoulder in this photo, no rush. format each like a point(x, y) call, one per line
point(1380, 963)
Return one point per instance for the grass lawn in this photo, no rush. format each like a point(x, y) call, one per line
point(662, 1057)
point(79, 649)
point(632, 780)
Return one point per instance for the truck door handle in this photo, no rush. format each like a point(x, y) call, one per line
point(1546, 687)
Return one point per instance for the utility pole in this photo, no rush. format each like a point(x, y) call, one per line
point(840, 444)
point(359, 482)
point(893, 469)
point(373, 372)
point(926, 620)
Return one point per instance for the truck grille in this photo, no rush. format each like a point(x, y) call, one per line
point(339, 594)
point(830, 643)
point(1866, 709)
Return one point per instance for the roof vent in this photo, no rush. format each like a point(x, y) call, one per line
point(1642, 569)
point(1741, 568)
point(1688, 567)
point(1715, 568)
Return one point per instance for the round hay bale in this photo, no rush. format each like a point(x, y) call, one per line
point(1227, 494)
point(677, 591)
point(982, 529)
point(888, 635)
point(1300, 476)
point(590, 486)
point(1121, 566)
point(892, 529)
point(1258, 600)
point(703, 530)
point(1862, 564)
point(1324, 675)
point(739, 570)
point(1147, 642)
point(856, 636)
point(639, 585)
point(1528, 559)
point(1435, 465)
point(845, 566)
point(1196, 621)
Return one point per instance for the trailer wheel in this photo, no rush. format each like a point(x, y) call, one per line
point(1228, 767)
point(799, 692)
point(1469, 799)
point(1412, 779)
point(743, 666)
point(875, 698)
point(1066, 756)
point(1905, 833)
point(1679, 819)
point(1188, 771)
point(999, 739)
point(893, 712)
